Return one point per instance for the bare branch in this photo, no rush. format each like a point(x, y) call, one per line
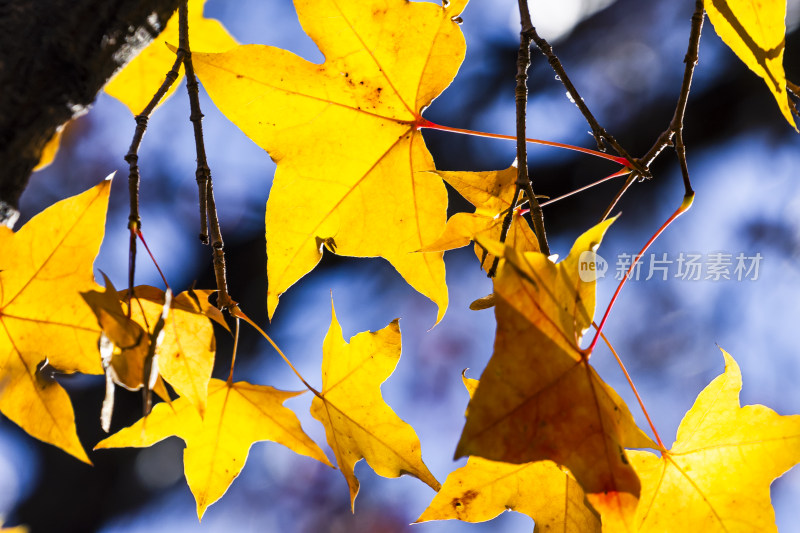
point(523, 179)
point(208, 208)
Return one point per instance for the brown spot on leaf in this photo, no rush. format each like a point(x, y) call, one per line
point(466, 499)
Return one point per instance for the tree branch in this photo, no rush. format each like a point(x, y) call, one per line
point(56, 56)
point(675, 129)
point(209, 222)
point(601, 136)
point(523, 184)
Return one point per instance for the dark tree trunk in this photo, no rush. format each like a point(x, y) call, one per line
point(55, 56)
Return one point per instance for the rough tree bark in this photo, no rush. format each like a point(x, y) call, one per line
point(55, 56)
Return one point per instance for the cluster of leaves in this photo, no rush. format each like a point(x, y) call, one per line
point(545, 435)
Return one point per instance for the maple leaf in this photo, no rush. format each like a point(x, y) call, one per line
point(483, 489)
point(538, 397)
point(43, 319)
point(237, 415)
point(358, 423)
point(187, 350)
point(130, 340)
point(125, 359)
point(135, 84)
point(344, 134)
point(756, 32)
point(491, 193)
point(717, 474)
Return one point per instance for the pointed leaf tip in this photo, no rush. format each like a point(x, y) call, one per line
point(517, 414)
point(50, 259)
point(721, 465)
point(358, 423)
point(237, 415)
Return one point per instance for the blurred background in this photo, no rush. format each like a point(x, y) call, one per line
point(626, 58)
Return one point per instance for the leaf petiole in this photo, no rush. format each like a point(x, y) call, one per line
point(425, 123)
point(238, 313)
point(141, 238)
point(624, 172)
point(685, 206)
point(635, 392)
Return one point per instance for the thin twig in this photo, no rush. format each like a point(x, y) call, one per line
point(209, 222)
point(523, 184)
point(601, 136)
point(132, 158)
point(675, 129)
point(628, 182)
point(203, 172)
point(503, 232)
point(224, 299)
point(622, 172)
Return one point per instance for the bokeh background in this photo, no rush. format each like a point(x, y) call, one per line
point(625, 57)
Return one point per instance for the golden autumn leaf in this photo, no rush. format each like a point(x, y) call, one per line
point(538, 397)
point(43, 319)
point(136, 83)
point(124, 348)
point(717, 475)
point(483, 489)
point(358, 423)
point(756, 32)
point(491, 193)
point(237, 415)
point(351, 164)
point(130, 340)
point(186, 353)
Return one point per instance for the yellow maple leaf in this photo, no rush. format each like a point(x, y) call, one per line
point(344, 135)
point(237, 415)
point(538, 397)
point(358, 423)
point(483, 489)
point(43, 319)
point(187, 350)
point(717, 475)
point(491, 193)
point(129, 338)
point(125, 361)
point(136, 83)
point(756, 32)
